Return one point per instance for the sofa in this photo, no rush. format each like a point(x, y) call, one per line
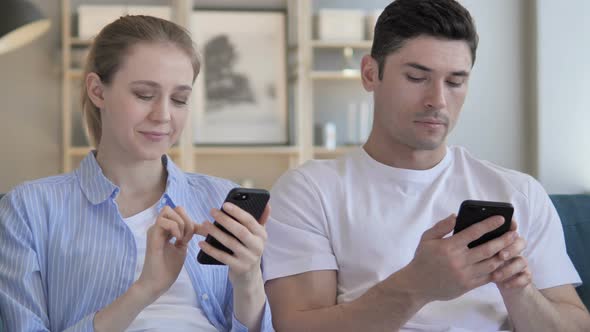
point(574, 211)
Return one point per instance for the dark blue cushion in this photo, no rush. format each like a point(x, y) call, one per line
point(1, 317)
point(574, 211)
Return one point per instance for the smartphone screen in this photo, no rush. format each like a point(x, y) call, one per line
point(472, 212)
point(252, 201)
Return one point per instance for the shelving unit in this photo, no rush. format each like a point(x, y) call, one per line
point(261, 165)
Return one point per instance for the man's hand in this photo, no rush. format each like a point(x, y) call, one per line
point(514, 274)
point(445, 268)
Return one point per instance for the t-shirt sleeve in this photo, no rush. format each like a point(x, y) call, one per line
point(546, 253)
point(298, 240)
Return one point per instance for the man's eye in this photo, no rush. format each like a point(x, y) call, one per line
point(144, 97)
point(454, 84)
point(179, 102)
point(415, 79)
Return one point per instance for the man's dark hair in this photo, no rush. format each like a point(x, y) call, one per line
point(405, 19)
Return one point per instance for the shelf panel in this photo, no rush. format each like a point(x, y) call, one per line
point(332, 153)
point(361, 44)
point(74, 73)
point(336, 75)
point(75, 41)
point(78, 151)
point(246, 150)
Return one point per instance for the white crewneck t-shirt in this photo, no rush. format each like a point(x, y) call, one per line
point(178, 308)
point(365, 220)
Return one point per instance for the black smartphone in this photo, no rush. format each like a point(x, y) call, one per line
point(252, 201)
point(472, 212)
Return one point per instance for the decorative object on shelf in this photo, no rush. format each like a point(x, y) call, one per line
point(92, 18)
point(349, 68)
point(325, 135)
point(241, 95)
point(341, 24)
point(20, 23)
point(359, 120)
point(365, 121)
point(329, 133)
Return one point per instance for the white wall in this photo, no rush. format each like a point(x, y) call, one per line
point(492, 124)
point(564, 86)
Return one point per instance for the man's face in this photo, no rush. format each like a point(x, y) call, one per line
point(419, 98)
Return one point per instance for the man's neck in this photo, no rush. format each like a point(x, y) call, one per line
point(402, 156)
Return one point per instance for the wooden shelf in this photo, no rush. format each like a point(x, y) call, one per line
point(340, 150)
point(336, 75)
point(78, 151)
point(82, 42)
point(246, 150)
point(75, 73)
point(360, 44)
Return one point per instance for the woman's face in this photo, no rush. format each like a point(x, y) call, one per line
point(145, 106)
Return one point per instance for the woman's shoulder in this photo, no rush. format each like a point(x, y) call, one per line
point(49, 187)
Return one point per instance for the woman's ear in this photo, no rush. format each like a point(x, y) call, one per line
point(95, 90)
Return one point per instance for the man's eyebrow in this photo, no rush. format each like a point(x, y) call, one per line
point(418, 66)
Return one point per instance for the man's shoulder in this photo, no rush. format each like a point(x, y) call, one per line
point(488, 171)
point(323, 172)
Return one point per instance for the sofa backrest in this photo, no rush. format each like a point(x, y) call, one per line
point(574, 211)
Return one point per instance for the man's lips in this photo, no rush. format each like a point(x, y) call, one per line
point(431, 124)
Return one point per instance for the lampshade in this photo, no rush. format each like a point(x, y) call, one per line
point(20, 23)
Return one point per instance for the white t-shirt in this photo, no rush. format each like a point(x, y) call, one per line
point(176, 310)
point(365, 219)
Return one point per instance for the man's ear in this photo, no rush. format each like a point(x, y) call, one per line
point(95, 90)
point(369, 72)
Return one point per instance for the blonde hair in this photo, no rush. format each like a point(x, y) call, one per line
point(113, 43)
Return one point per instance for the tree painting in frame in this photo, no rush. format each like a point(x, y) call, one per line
point(240, 95)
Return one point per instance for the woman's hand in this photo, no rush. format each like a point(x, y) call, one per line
point(163, 262)
point(244, 264)
point(164, 259)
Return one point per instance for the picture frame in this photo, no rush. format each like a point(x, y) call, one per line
point(240, 96)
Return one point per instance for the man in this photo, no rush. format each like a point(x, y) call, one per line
point(365, 242)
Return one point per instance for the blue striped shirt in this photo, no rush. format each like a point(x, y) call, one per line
point(65, 252)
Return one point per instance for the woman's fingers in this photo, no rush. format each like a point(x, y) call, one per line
point(245, 218)
point(167, 228)
point(170, 214)
point(219, 255)
point(190, 227)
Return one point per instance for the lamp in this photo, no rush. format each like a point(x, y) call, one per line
point(20, 23)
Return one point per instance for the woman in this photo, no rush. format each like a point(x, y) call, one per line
point(108, 247)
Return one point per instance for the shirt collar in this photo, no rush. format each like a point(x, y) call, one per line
point(98, 188)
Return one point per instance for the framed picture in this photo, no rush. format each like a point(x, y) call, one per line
point(240, 95)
